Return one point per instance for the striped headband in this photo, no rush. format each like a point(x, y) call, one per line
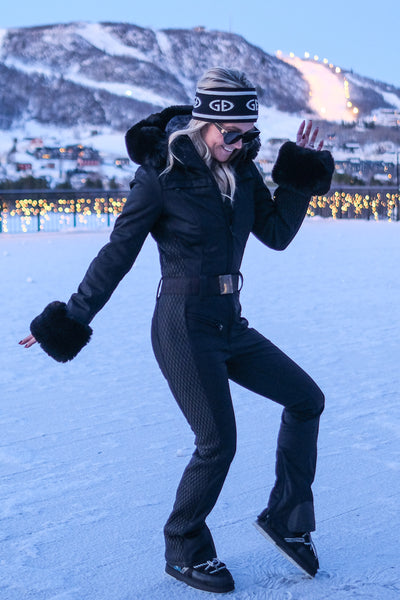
point(226, 104)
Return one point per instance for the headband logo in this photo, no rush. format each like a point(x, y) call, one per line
point(252, 104)
point(197, 102)
point(221, 105)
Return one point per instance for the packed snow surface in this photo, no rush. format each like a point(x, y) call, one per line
point(91, 451)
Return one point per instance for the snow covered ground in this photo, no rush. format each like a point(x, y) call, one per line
point(91, 452)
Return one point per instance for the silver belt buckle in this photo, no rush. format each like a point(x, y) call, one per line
point(225, 284)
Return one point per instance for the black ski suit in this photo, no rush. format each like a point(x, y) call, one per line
point(199, 337)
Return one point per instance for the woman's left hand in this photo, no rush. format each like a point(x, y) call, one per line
point(28, 341)
point(307, 138)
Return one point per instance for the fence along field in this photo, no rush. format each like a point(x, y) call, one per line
point(28, 211)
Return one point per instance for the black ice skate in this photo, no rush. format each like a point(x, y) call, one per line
point(211, 576)
point(298, 548)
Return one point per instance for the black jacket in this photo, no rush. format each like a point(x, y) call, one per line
point(197, 233)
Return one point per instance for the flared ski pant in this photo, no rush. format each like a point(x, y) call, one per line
point(200, 344)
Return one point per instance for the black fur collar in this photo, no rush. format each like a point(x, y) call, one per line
point(147, 141)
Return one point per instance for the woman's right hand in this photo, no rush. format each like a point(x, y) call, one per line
point(28, 341)
point(303, 137)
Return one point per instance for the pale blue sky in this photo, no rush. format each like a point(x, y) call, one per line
point(362, 35)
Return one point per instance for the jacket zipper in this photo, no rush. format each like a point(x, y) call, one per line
point(229, 228)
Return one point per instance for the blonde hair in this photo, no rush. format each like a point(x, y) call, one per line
point(223, 172)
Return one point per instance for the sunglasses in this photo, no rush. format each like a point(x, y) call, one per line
point(231, 137)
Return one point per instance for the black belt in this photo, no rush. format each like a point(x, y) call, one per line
point(204, 285)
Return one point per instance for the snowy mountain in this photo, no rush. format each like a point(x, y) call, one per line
point(101, 75)
point(112, 74)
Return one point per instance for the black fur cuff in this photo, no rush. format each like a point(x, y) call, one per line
point(303, 169)
point(60, 335)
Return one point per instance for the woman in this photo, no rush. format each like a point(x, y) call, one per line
point(200, 195)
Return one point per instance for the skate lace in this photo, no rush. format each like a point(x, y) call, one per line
point(212, 566)
point(304, 539)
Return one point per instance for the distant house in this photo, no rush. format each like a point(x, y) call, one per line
point(352, 147)
point(88, 157)
point(122, 162)
point(389, 117)
point(33, 143)
point(367, 170)
point(23, 167)
point(47, 153)
point(19, 160)
point(71, 152)
point(87, 162)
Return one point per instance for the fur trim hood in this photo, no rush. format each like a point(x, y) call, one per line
point(147, 141)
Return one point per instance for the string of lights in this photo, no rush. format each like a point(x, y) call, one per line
point(341, 204)
point(49, 212)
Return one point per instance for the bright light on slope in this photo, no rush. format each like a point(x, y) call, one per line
point(327, 91)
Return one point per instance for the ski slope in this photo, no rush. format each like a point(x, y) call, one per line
point(91, 452)
point(328, 97)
